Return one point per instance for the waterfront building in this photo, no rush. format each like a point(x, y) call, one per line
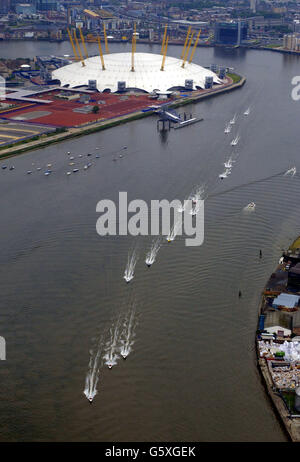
point(231, 33)
point(147, 74)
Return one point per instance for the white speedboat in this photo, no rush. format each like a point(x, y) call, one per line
point(225, 174)
point(247, 112)
point(292, 171)
point(227, 129)
point(235, 141)
point(233, 120)
point(250, 206)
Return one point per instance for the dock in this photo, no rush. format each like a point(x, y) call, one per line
point(184, 123)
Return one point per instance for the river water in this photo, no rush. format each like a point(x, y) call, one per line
point(191, 375)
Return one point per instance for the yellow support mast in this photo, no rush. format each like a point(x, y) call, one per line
point(101, 54)
point(187, 50)
point(185, 43)
point(132, 53)
point(194, 47)
point(79, 49)
point(134, 37)
point(105, 39)
point(164, 40)
point(83, 42)
point(164, 56)
point(73, 46)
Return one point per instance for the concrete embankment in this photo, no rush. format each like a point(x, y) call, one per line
point(98, 126)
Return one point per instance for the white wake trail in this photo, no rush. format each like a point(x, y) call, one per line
point(152, 254)
point(128, 334)
point(111, 356)
point(92, 377)
point(129, 270)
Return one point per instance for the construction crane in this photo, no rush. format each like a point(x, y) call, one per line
point(83, 42)
point(164, 39)
point(185, 43)
point(187, 50)
point(194, 47)
point(73, 46)
point(165, 54)
point(79, 49)
point(101, 54)
point(105, 39)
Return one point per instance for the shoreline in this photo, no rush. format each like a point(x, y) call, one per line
point(103, 125)
point(267, 362)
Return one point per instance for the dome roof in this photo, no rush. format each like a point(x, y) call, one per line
point(147, 75)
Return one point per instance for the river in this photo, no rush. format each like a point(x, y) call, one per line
point(191, 375)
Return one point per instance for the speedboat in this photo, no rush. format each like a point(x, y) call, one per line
point(227, 128)
point(235, 141)
point(291, 171)
point(233, 120)
point(225, 174)
point(250, 206)
point(247, 112)
point(75, 170)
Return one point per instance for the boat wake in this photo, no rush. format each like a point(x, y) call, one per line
point(111, 356)
point(227, 128)
point(225, 174)
point(235, 141)
point(233, 120)
point(174, 230)
point(129, 270)
point(151, 255)
point(229, 163)
point(292, 171)
point(92, 377)
point(128, 334)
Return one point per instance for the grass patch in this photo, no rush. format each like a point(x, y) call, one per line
point(235, 77)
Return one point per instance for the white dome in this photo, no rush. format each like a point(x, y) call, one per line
point(146, 76)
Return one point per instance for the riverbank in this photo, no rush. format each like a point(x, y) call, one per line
point(278, 341)
point(236, 81)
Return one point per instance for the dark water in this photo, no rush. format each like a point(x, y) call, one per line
point(191, 375)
